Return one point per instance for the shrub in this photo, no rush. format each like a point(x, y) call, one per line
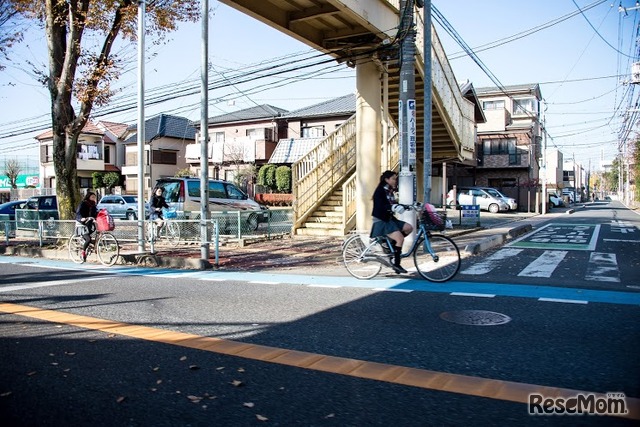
point(267, 176)
point(111, 179)
point(97, 180)
point(283, 179)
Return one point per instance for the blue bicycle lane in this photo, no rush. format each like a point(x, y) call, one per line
point(399, 284)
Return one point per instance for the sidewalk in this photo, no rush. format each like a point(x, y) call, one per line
point(301, 254)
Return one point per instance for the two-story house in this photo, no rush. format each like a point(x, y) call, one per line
point(307, 126)
point(237, 140)
point(510, 142)
point(166, 138)
point(100, 149)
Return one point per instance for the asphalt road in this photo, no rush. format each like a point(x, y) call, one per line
point(565, 331)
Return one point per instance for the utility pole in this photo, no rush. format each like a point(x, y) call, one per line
point(428, 120)
point(204, 136)
point(141, 135)
point(407, 113)
point(544, 162)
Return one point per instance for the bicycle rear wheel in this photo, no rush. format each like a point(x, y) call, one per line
point(359, 261)
point(108, 249)
point(443, 264)
point(75, 249)
point(171, 232)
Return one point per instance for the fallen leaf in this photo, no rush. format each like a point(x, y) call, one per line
point(153, 389)
point(91, 340)
point(51, 354)
point(54, 363)
point(31, 373)
point(111, 335)
point(194, 367)
point(249, 404)
point(330, 416)
point(66, 370)
point(159, 382)
point(220, 368)
point(69, 353)
point(6, 393)
point(121, 399)
point(240, 369)
point(194, 399)
point(236, 383)
point(183, 358)
point(261, 417)
point(156, 369)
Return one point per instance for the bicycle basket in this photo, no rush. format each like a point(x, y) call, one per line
point(170, 213)
point(433, 220)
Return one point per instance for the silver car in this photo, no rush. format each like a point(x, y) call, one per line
point(125, 207)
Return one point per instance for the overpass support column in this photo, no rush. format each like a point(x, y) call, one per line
point(368, 139)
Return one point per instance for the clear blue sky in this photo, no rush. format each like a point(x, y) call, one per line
point(569, 59)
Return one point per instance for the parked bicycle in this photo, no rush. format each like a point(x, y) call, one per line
point(169, 230)
point(104, 244)
point(436, 257)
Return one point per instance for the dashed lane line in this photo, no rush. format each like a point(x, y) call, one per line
point(50, 283)
point(414, 377)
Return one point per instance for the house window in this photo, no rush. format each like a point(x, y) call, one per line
point(218, 137)
point(525, 107)
point(161, 157)
point(498, 146)
point(260, 133)
point(85, 182)
point(132, 159)
point(107, 154)
point(493, 105)
point(88, 152)
point(313, 131)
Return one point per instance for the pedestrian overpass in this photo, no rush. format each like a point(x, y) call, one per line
point(364, 34)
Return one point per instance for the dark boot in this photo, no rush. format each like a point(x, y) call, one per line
point(396, 261)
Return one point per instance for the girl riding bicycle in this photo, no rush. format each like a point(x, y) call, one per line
point(385, 206)
point(157, 203)
point(86, 215)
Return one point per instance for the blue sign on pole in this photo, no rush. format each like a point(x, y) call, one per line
point(470, 211)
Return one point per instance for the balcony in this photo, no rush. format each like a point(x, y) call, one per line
point(497, 121)
point(241, 149)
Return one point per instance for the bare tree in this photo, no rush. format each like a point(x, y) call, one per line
point(79, 75)
point(10, 29)
point(12, 169)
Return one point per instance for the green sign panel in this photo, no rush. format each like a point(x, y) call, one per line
point(577, 237)
point(23, 180)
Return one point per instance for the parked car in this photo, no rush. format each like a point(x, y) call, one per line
point(183, 194)
point(569, 192)
point(125, 207)
point(491, 202)
point(511, 202)
point(46, 207)
point(555, 200)
point(9, 208)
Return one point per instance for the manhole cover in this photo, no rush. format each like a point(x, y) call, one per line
point(475, 317)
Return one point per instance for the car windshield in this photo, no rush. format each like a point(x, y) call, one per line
point(494, 192)
point(130, 199)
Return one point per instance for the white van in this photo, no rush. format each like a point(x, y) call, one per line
point(491, 201)
point(183, 195)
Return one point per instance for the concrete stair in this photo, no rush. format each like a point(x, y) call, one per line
point(327, 218)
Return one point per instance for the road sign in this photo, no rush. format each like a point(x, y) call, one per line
point(470, 211)
point(577, 237)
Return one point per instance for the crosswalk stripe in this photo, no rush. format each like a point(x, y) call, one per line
point(544, 265)
point(491, 262)
point(603, 267)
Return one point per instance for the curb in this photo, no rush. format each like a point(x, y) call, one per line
point(498, 239)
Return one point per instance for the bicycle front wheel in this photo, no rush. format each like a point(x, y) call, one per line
point(441, 263)
point(108, 249)
point(171, 232)
point(359, 261)
point(75, 249)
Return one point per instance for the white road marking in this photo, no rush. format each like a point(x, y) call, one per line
point(325, 286)
point(491, 262)
point(603, 267)
point(570, 301)
point(621, 241)
point(51, 283)
point(263, 282)
point(469, 294)
point(544, 265)
point(392, 290)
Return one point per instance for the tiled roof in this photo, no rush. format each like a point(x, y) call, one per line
point(290, 150)
point(165, 125)
point(92, 128)
point(344, 105)
point(533, 88)
point(259, 112)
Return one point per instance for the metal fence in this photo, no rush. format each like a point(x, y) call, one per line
point(31, 225)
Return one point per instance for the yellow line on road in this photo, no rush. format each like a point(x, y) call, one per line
point(422, 378)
